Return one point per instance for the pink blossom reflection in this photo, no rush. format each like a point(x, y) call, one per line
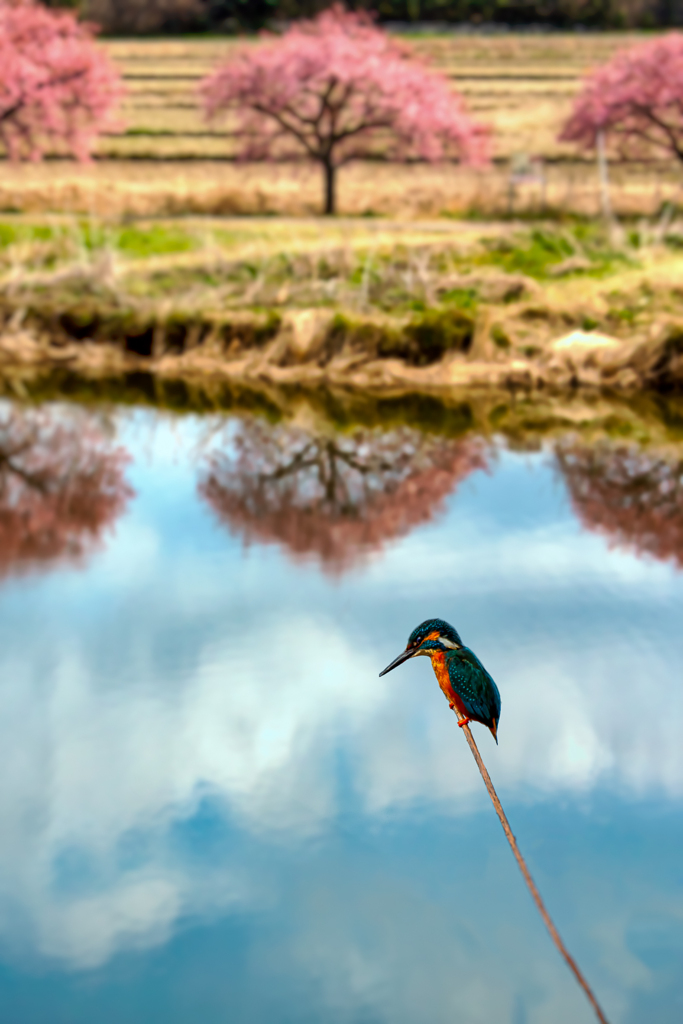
point(62, 485)
point(334, 497)
point(631, 495)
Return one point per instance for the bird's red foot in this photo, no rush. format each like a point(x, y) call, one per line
point(461, 721)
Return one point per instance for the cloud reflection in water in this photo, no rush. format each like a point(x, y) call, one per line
point(264, 770)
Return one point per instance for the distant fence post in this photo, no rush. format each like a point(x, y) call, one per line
point(525, 170)
point(603, 177)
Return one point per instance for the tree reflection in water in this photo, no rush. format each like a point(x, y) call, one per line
point(61, 485)
point(333, 496)
point(633, 496)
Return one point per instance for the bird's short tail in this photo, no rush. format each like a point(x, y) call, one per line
point(494, 730)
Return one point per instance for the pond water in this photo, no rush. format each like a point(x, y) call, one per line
point(211, 807)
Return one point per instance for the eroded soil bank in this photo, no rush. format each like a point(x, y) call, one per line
point(528, 347)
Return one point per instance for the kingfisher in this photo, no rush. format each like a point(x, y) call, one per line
point(464, 681)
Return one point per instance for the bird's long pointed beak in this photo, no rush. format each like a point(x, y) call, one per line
point(403, 656)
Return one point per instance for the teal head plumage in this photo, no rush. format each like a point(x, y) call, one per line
point(467, 686)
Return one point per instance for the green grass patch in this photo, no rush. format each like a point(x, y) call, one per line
point(422, 341)
point(230, 238)
point(533, 257)
point(133, 241)
point(156, 240)
point(171, 282)
point(542, 253)
point(10, 234)
point(427, 338)
point(153, 132)
point(463, 298)
point(500, 337)
point(625, 315)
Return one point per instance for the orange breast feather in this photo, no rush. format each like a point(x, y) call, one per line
point(441, 673)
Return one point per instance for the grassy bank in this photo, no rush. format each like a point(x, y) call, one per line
point(365, 303)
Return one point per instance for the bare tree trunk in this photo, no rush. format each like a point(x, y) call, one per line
point(330, 172)
point(535, 894)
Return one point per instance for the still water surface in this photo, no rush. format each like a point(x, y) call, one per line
point(211, 807)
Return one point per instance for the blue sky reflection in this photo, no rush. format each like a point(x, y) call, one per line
point(213, 807)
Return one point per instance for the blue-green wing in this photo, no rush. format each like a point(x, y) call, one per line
point(475, 687)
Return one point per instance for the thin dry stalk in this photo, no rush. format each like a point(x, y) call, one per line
point(365, 280)
point(535, 894)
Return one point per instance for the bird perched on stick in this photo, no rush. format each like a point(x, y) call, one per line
point(466, 685)
point(473, 695)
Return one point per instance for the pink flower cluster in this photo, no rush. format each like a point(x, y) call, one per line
point(57, 88)
point(636, 99)
point(336, 88)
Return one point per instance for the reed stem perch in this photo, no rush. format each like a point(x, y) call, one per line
point(535, 894)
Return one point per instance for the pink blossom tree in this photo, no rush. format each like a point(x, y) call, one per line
point(636, 100)
point(56, 86)
point(336, 88)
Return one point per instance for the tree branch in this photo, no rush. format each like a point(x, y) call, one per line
point(667, 129)
point(50, 83)
point(286, 127)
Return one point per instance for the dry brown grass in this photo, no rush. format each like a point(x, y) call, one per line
point(113, 189)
